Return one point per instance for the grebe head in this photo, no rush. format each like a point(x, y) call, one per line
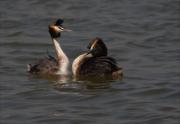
point(55, 28)
point(97, 47)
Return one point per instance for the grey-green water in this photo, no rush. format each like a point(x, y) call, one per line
point(142, 35)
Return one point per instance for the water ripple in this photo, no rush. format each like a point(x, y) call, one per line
point(143, 36)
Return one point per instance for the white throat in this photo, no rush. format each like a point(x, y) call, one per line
point(78, 61)
point(62, 59)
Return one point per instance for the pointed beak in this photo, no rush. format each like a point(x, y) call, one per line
point(64, 29)
point(89, 53)
point(67, 30)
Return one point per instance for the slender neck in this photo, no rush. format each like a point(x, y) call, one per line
point(77, 63)
point(62, 59)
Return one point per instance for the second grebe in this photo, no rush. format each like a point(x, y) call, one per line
point(95, 62)
point(51, 65)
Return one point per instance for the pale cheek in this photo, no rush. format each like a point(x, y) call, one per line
point(93, 45)
point(57, 29)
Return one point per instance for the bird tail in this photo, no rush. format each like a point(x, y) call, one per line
point(29, 66)
point(118, 73)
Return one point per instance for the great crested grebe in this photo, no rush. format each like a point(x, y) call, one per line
point(51, 65)
point(95, 62)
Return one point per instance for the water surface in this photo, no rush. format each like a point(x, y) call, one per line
point(142, 35)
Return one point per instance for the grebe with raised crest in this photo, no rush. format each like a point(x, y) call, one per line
point(51, 65)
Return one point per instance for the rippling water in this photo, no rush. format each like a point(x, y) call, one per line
point(142, 35)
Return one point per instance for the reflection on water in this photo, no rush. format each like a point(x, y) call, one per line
point(143, 36)
point(62, 82)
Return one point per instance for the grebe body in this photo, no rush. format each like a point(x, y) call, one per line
point(51, 65)
point(95, 62)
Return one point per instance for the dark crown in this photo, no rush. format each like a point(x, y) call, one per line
point(99, 48)
point(59, 21)
point(52, 31)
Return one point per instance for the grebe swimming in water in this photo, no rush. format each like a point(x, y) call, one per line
point(95, 62)
point(51, 65)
